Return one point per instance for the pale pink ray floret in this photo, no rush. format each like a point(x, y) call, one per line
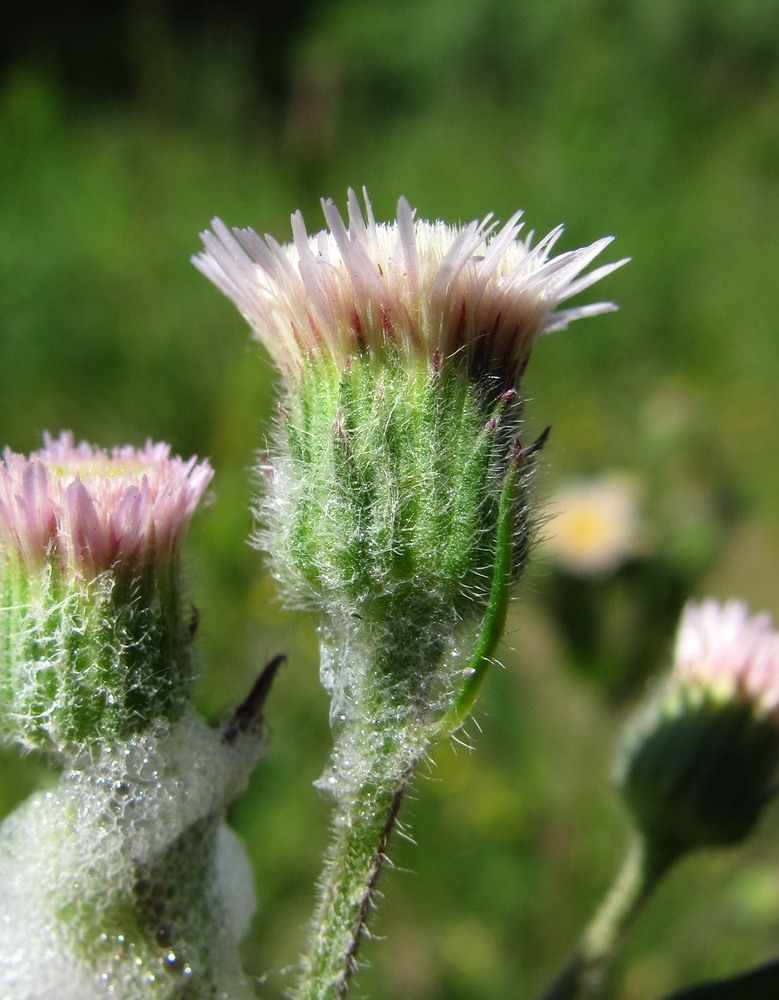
point(91, 510)
point(722, 650)
point(428, 291)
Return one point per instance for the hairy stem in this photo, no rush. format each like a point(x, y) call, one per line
point(361, 832)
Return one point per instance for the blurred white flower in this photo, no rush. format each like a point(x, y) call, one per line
point(594, 525)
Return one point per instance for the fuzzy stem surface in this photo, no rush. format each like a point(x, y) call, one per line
point(380, 736)
point(361, 833)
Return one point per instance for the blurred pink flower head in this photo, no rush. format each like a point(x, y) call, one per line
point(89, 510)
point(729, 655)
point(699, 760)
point(424, 291)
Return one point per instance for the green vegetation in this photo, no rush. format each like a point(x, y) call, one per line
point(656, 122)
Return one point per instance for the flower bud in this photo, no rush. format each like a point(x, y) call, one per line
point(699, 761)
point(397, 479)
point(95, 633)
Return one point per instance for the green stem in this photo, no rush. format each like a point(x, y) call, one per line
point(361, 833)
point(641, 870)
point(380, 737)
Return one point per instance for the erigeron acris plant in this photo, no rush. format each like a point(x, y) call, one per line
point(397, 506)
point(696, 766)
point(397, 490)
point(122, 880)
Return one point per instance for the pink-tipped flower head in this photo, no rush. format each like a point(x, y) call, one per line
point(96, 630)
point(699, 760)
point(425, 291)
point(90, 510)
point(396, 500)
point(728, 655)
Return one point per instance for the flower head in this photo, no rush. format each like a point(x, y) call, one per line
point(396, 498)
point(722, 651)
point(699, 760)
point(96, 632)
point(594, 525)
point(91, 510)
point(425, 291)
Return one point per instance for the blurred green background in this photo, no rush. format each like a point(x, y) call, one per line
point(125, 126)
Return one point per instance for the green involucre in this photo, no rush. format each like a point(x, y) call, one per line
point(89, 660)
point(385, 502)
point(697, 771)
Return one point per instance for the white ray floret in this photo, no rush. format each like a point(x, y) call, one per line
point(93, 509)
point(721, 648)
point(426, 291)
